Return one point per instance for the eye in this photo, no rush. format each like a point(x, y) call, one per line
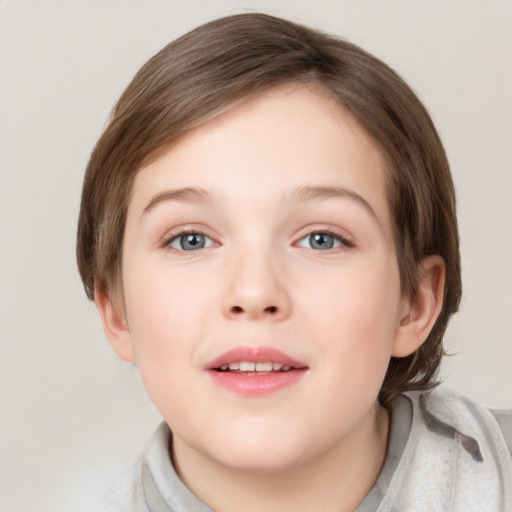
point(322, 241)
point(190, 242)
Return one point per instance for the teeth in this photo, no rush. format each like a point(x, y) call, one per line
point(250, 366)
point(264, 367)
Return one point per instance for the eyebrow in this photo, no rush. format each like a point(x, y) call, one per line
point(187, 194)
point(310, 193)
point(303, 193)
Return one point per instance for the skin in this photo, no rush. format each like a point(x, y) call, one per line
point(318, 444)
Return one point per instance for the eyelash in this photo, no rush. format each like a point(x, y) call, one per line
point(167, 242)
point(344, 243)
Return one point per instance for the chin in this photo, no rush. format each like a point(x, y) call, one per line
point(259, 449)
point(264, 462)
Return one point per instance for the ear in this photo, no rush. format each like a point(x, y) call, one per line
point(114, 324)
point(419, 314)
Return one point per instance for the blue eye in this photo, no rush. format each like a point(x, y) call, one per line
point(190, 242)
point(322, 241)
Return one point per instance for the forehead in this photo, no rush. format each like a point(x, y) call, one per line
point(290, 137)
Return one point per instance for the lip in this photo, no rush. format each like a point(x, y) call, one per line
point(253, 383)
point(256, 355)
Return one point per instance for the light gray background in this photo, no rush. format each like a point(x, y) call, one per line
point(67, 404)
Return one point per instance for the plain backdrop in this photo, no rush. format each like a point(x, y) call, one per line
point(68, 406)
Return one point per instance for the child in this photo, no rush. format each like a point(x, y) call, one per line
point(268, 231)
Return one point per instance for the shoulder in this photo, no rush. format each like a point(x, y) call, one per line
point(443, 408)
point(449, 414)
point(455, 458)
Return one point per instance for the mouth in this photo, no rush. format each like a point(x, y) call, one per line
point(253, 367)
point(255, 371)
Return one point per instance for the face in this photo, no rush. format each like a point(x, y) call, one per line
point(261, 288)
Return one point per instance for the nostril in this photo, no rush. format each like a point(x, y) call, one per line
point(237, 310)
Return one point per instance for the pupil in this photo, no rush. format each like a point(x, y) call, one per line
point(321, 241)
point(192, 241)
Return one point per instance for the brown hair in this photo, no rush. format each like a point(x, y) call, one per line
point(232, 58)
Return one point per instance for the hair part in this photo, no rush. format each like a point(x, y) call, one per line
point(232, 58)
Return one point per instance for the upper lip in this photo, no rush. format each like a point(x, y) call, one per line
point(254, 354)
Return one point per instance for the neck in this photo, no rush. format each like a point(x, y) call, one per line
point(336, 480)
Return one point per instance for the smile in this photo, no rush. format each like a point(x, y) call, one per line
point(250, 366)
point(255, 371)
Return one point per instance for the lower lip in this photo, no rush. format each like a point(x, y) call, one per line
point(253, 384)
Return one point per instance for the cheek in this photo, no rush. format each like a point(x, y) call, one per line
point(164, 328)
point(356, 319)
point(164, 312)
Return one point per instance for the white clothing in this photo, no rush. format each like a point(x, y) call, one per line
point(445, 454)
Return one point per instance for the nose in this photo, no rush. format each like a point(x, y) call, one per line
point(256, 289)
